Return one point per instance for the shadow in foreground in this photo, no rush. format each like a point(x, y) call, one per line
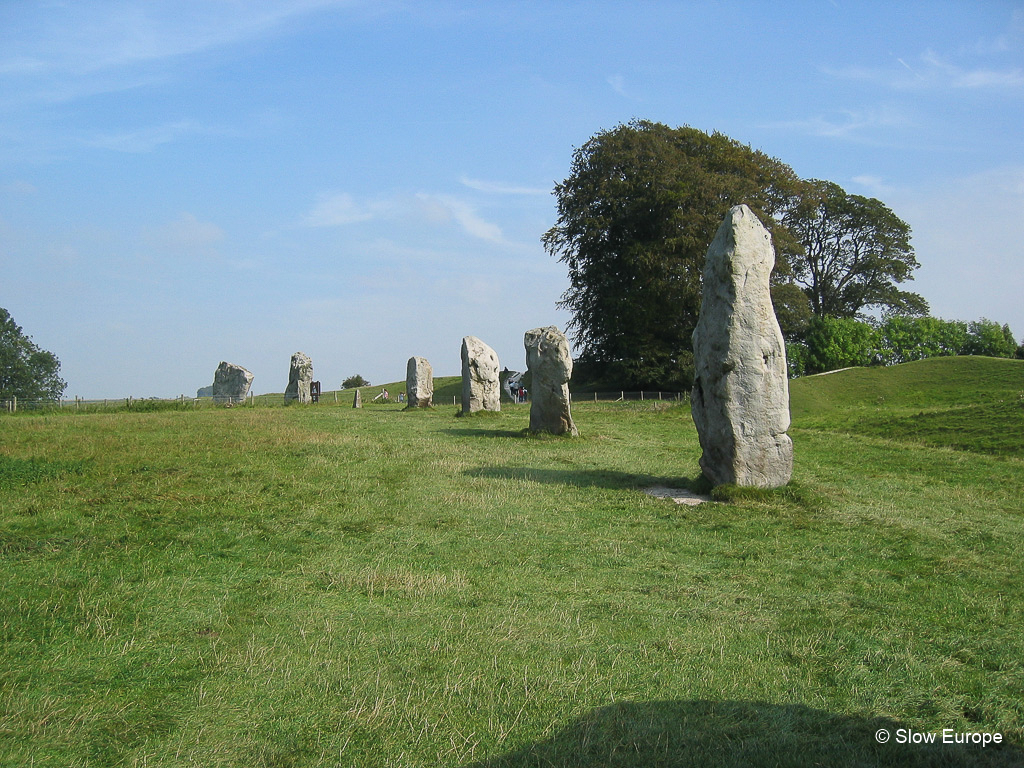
point(724, 734)
point(584, 478)
point(470, 432)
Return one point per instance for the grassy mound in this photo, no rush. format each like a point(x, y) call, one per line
point(966, 403)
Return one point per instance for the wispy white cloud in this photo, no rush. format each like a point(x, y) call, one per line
point(149, 138)
point(167, 250)
point(1007, 41)
point(991, 79)
point(19, 188)
point(499, 188)
point(442, 208)
point(868, 126)
point(873, 185)
point(909, 68)
point(945, 73)
point(932, 71)
point(64, 50)
point(186, 234)
point(340, 209)
point(618, 84)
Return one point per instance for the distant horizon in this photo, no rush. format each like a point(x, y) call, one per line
point(188, 182)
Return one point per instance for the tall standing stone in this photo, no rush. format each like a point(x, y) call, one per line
point(300, 377)
point(481, 389)
point(357, 401)
point(419, 383)
point(549, 361)
point(231, 383)
point(740, 388)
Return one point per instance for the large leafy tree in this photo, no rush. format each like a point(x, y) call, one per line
point(854, 253)
point(635, 217)
point(26, 371)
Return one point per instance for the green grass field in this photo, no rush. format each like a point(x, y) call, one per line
point(324, 586)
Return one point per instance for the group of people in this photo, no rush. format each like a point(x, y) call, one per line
point(517, 392)
point(386, 396)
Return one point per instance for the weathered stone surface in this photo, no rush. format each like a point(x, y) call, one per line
point(357, 401)
point(549, 361)
point(300, 376)
point(740, 389)
point(481, 390)
point(419, 383)
point(231, 383)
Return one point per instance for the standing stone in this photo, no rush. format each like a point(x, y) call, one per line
point(548, 358)
point(300, 377)
point(419, 383)
point(231, 383)
point(481, 389)
point(740, 388)
point(357, 401)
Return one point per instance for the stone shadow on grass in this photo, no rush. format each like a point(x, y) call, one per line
point(486, 432)
point(731, 734)
point(587, 478)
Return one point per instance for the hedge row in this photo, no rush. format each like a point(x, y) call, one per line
point(831, 343)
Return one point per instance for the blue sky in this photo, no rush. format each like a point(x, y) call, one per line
point(202, 180)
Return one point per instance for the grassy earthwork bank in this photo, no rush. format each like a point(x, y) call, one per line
point(324, 586)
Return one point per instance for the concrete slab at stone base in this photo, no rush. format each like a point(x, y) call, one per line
point(678, 495)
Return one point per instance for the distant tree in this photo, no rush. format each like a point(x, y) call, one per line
point(792, 309)
point(839, 342)
point(635, 217)
point(796, 358)
point(352, 382)
point(854, 253)
point(986, 337)
point(26, 371)
point(902, 339)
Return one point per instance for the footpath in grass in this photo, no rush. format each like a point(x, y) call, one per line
point(321, 586)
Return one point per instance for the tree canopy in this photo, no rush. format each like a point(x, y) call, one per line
point(354, 381)
point(26, 371)
point(637, 212)
point(854, 251)
point(635, 217)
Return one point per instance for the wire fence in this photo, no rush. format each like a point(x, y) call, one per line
point(622, 396)
point(17, 405)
